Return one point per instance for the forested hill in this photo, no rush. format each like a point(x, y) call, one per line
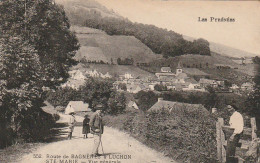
point(161, 41)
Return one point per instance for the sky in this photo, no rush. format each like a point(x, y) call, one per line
point(182, 17)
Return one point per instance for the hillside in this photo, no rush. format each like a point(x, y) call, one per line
point(97, 45)
point(77, 10)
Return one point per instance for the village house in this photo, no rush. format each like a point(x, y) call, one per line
point(247, 86)
point(234, 86)
point(107, 75)
point(132, 88)
point(174, 106)
point(166, 69)
point(133, 105)
point(208, 82)
point(77, 75)
point(77, 106)
point(74, 84)
point(93, 73)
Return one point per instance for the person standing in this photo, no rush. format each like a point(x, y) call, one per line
point(71, 123)
point(237, 123)
point(86, 128)
point(97, 128)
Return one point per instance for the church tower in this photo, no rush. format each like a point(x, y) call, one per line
point(179, 69)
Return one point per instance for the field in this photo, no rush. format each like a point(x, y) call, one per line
point(97, 45)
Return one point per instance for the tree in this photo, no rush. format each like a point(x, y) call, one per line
point(160, 87)
point(122, 86)
point(116, 103)
point(36, 50)
point(145, 100)
point(212, 99)
point(96, 91)
point(45, 27)
point(253, 102)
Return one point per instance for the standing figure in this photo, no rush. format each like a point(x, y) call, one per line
point(237, 123)
point(71, 123)
point(97, 128)
point(86, 128)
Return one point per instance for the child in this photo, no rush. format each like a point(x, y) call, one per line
point(86, 128)
point(71, 123)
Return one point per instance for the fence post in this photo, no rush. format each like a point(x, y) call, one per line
point(221, 152)
point(219, 145)
point(253, 126)
point(223, 141)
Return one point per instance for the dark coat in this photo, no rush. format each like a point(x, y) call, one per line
point(96, 124)
point(86, 128)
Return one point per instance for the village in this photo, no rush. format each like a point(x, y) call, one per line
point(180, 79)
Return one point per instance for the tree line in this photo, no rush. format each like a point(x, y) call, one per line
point(160, 41)
point(36, 51)
point(94, 91)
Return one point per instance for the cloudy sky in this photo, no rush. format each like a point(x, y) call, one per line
point(182, 17)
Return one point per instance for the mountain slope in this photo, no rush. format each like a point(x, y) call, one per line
point(77, 10)
point(97, 45)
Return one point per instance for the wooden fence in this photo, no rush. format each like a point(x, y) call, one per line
point(223, 133)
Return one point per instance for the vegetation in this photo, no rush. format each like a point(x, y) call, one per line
point(160, 87)
point(145, 100)
point(94, 91)
point(184, 135)
point(253, 100)
point(160, 41)
point(125, 61)
point(36, 50)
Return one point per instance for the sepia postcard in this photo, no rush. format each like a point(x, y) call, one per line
point(129, 81)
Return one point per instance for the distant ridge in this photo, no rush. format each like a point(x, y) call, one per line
point(225, 50)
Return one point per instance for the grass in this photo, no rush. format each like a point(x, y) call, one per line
point(97, 45)
point(15, 153)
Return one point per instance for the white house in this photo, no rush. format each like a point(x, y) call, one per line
point(128, 76)
point(77, 106)
point(132, 104)
point(77, 75)
point(247, 86)
point(166, 69)
point(234, 86)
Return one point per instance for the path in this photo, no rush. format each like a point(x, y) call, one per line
point(118, 148)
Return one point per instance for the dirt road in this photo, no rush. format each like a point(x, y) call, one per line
point(118, 148)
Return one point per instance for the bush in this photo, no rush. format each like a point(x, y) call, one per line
point(6, 136)
point(184, 134)
point(34, 125)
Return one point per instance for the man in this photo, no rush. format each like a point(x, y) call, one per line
point(97, 128)
point(237, 123)
point(71, 123)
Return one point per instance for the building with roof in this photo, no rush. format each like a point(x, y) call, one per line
point(77, 75)
point(247, 86)
point(77, 106)
point(133, 105)
point(166, 69)
point(161, 105)
point(208, 82)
